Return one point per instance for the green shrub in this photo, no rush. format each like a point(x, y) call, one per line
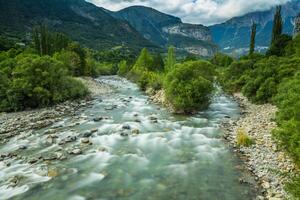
point(36, 82)
point(221, 60)
point(230, 78)
point(189, 86)
point(124, 68)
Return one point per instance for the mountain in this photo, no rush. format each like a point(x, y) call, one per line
point(234, 34)
point(165, 30)
point(82, 21)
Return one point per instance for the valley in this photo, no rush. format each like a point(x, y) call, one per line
point(120, 101)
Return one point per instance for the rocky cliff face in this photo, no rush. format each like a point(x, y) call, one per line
point(165, 30)
point(197, 32)
point(297, 25)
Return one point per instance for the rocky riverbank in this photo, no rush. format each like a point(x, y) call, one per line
point(269, 164)
point(12, 124)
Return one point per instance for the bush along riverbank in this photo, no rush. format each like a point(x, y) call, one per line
point(16, 123)
point(185, 87)
point(251, 137)
point(42, 73)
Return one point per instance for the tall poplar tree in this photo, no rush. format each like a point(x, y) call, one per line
point(277, 25)
point(171, 59)
point(253, 36)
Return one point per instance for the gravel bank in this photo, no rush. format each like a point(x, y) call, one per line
point(12, 124)
point(263, 159)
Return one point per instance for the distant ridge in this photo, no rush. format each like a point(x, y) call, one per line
point(82, 21)
point(164, 30)
point(234, 34)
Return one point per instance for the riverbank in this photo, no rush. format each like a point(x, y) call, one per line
point(12, 124)
point(264, 159)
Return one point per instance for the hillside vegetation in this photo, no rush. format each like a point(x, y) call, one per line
point(41, 74)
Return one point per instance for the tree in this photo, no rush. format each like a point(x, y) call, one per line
point(75, 47)
point(278, 46)
point(171, 59)
point(144, 61)
point(221, 60)
point(158, 63)
point(277, 25)
point(189, 86)
point(252, 40)
point(48, 43)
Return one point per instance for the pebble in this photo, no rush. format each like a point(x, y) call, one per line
point(263, 158)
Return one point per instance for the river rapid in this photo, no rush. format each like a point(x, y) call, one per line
point(123, 147)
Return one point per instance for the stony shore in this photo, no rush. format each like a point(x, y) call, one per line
point(12, 124)
point(264, 159)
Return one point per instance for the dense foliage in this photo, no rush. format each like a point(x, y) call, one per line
point(189, 85)
point(42, 74)
point(273, 79)
point(30, 81)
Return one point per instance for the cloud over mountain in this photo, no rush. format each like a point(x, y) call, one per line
point(196, 11)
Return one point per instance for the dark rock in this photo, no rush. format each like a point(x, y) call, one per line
point(87, 134)
point(98, 119)
point(71, 139)
point(124, 134)
point(23, 147)
point(94, 130)
point(126, 127)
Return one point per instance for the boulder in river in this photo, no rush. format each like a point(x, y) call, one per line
point(126, 127)
point(87, 134)
point(98, 119)
point(76, 151)
point(123, 134)
point(85, 140)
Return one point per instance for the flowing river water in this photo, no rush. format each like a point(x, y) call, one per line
point(137, 151)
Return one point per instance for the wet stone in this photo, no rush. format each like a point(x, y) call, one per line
point(123, 134)
point(98, 119)
point(87, 134)
point(126, 127)
point(71, 139)
point(23, 147)
point(85, 140)
point(76, 151)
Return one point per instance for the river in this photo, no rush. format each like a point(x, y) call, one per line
point(137, 150)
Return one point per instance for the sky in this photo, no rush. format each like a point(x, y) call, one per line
point(205, 12)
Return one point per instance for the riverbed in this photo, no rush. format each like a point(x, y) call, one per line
point(123, 146)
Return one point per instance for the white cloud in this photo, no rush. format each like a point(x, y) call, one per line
point(196, 11)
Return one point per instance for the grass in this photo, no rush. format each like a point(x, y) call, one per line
point(243, 139)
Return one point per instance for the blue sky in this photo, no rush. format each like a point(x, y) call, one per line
point(205, 12)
